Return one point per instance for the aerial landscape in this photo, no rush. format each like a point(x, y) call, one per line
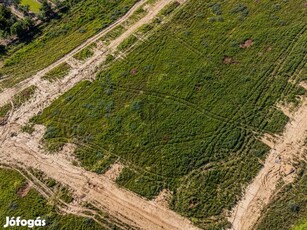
point(153, 114)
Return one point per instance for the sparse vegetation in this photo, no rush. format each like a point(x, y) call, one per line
point(58, 72)
point(85, 53)
point(23, 96)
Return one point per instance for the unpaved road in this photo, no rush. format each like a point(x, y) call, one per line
point(24, 151)
point(278, 165)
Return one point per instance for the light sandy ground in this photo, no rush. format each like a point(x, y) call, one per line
point(23, 150)
point(278, 166)
point(114, 171)
point(164, 198)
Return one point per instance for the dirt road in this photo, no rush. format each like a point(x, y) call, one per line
point(24, 151)
point(278, 165)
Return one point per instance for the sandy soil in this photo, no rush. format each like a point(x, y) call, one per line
point(114, 171)
point(164, 198)
point(23, 150)
point(278, 166)
point(24, 190)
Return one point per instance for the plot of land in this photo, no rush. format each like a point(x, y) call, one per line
point(182, 119)
point(183, 111)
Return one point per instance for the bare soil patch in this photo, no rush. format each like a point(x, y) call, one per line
point(24, 190)
point(248, 43)
point(164, 198)
point(228, 60)
point(114, 171)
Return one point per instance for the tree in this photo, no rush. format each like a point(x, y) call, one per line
point(20, 28)
point(6, 21)
point(46, 10)
point(11, 2)
point(24, 9)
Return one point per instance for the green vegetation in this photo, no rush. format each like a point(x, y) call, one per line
point(28, 128)
point(86, 52)
point(58, 72)
point(23, 96)
point(301, 226)
point(127, 43)
point(82, 20)
point(5, 109)
point(289, 208)
point(118, 30)
point(179, 115)
point(34, 5)
point(33, 205)
point(10, 26)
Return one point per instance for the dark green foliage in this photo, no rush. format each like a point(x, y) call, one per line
point(7, 19)
point(46, 10)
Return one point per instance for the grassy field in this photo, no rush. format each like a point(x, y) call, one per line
point(58, 72)
point(82, 20)
point(33, 205)
point(289, 208)
point(85, 53)
point(185, 110)
point(34, 5)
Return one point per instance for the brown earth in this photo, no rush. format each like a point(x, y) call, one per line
point(23, 191)
point(248, 43)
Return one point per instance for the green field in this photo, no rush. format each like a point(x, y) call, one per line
point(34, 5)
point(57, 73)
point(82, 20)
point(33, 205)
point(185, 110)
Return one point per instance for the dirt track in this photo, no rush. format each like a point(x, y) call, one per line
point(278, 165)
point(24, 151)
